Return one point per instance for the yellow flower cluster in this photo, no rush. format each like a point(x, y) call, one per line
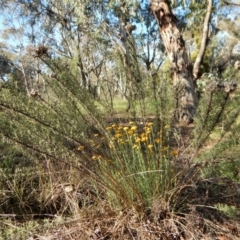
point(131, 136)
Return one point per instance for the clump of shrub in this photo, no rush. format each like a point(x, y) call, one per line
point(134, 163)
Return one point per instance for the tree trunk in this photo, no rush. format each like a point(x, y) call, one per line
point(133, 73)
point(181, 66)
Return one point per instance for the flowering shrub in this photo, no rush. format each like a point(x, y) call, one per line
point(134, 162)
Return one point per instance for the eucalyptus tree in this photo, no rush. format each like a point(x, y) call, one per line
point(66, 29)
point(183, 71)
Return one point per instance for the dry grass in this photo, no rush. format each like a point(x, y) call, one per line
point(106, 224)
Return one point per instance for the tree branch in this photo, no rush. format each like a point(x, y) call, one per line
point(231, 3)
point(203, 46)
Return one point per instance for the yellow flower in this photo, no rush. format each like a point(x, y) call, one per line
point(144, 139)
point(134, 127)
point(147, 130)
point(174, 152)
point(80, 148)
point(96, 135)
point(109, 128)
point(136, 146)
point(157, 140)
point(118, 135)
point(125, 128)
point(113, 125)
point(149, 124)
point(120, 141)
point(150, 146)
point(137, 140)
point(130, 132)
point(119, 128)
point(130, 123)
point(143, 135)
point(167, 127)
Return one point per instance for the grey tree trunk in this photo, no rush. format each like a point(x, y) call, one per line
point(181, 66)
point(132, 69)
